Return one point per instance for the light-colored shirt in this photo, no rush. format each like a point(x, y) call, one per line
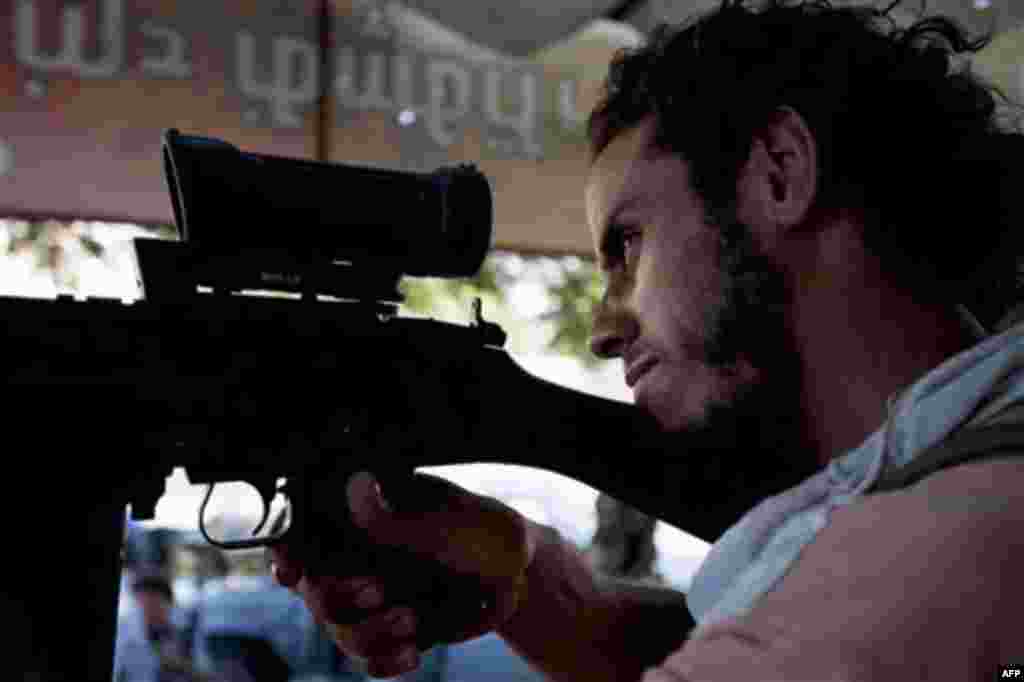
point(756, 553)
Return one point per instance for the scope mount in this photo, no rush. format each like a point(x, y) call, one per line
point(171, 271)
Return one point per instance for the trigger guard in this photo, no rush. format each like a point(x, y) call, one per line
point(253, 542)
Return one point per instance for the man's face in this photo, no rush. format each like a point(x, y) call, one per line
point(695, 310)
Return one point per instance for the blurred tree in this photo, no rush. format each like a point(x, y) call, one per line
point(572, 288)
point(432, 295)
point(572, 284)
point(60, 248)
point(575, 297)
point(623, 544)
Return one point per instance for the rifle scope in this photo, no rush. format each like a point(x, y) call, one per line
point(436, 224)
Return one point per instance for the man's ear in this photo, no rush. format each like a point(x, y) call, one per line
point(780, 179)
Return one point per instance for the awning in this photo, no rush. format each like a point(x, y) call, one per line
point(89, 86)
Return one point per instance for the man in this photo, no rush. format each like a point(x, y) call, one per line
point(153, 648)
point(792, 205)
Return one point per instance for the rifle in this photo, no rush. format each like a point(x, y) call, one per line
point(288, 395)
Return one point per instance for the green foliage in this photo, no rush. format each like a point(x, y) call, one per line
point(572, 286)
point(45, 237)
point(451, 300)
point(426, 296)
point(59, 249)
point(575, 299)
point(166, 231)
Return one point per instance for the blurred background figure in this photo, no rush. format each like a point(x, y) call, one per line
point(623, 545)
point(230, 621)
point(250, 629)
point(152, 644)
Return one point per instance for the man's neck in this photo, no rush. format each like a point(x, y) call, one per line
point(860, 342)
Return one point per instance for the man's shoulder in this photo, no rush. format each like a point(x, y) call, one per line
point(945, 504)
point(993, 435)
point(918, 583)
point(929, 566)
point(997, 478)
point(971, 506)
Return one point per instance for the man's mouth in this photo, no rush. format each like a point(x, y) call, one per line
point(634, 373)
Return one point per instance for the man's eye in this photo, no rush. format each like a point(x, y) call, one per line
point(629, 242)
point(621, 245)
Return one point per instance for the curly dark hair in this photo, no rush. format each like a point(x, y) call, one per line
point(915, 144)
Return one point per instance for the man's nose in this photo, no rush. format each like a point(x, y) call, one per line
point(606, 345)
point(613, 330)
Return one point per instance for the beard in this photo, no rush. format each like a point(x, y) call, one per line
point(751, 444)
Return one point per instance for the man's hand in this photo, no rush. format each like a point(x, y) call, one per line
point(471, 535)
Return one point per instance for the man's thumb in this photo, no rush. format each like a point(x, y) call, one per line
point(365, 501)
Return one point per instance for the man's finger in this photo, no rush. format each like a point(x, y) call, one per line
point(365, 500)
point(345, 595)
point(424, 532)
point(312, 593)
point(382, 633)
point(493, 614)
point(489, 546)
point(404, 660)
point(286, 570)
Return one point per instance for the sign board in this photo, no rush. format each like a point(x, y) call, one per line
point(89, 86)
